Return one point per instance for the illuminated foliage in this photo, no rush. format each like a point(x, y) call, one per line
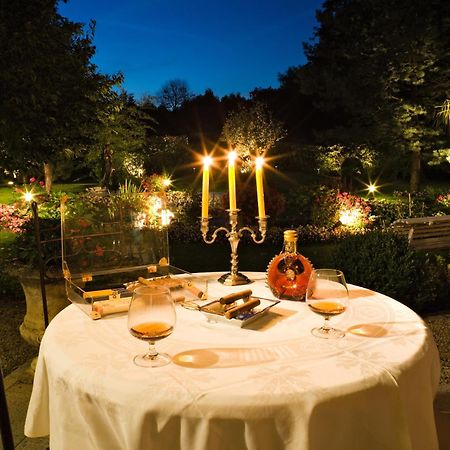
point(376, 69)
point(49, 85)
point(252, 132)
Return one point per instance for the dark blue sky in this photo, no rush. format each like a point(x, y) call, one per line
point(228, 45)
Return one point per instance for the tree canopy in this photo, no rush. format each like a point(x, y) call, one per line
point(51, 88)
point(380, 68)
point(173, 94)
point(252, 131)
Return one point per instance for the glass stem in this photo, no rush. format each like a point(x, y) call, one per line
point(326, 324)
point(151, 353)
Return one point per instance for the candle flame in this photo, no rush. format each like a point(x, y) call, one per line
point(232, 156)
point(259, 162)
point(207, 161)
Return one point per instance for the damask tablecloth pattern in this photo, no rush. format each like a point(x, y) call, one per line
point(270, 386)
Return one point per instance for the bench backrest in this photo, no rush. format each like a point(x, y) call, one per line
point(425, 232)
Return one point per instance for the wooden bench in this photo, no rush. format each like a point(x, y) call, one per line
point(425, 233)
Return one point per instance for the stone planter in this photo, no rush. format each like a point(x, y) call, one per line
point(32, 327)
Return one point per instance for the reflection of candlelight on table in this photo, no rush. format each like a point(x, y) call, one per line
point(232, 179)
point(207, 160)
point(259, 186)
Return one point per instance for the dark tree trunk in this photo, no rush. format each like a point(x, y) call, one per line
point(48, 174)
point(414, 179)
point(108, 166)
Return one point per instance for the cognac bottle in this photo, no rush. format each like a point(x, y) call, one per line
point(288, 273)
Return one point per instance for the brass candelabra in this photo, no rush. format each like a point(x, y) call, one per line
point(234, 277)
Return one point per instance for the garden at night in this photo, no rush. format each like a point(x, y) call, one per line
point(350, 151)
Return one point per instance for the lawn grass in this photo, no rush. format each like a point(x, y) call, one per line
point(5, 237)
point(6, 195)
point(9, 196)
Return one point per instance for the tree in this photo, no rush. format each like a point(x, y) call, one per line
point(119, 140)
point(442, 156)
point(164, 153)
point(252, 132)
point(173, 94)
point(379, 68)
point(200, 118)
point(443, 115)
point(50, 88)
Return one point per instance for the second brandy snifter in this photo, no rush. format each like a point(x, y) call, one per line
point(327, 295)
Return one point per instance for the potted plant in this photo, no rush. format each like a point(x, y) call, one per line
point(21, 258)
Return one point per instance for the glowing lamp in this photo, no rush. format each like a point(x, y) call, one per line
point(349, 218)
point(166, 217)
point(28, 196)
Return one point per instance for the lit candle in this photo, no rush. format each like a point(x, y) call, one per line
point(207, 160)
point(232, 179)
point(259, 186)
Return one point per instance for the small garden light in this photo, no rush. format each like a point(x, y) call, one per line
point(167, 182)
point(28, 196)
point(166, 216)
point(372, 188)
point(10, 183)
point(349, 218)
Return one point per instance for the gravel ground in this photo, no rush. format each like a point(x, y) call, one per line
point(14, 351)
point(440, 327)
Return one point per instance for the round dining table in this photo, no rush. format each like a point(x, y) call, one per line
point(270, 385)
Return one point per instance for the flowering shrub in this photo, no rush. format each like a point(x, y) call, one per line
point(415, 204)
point(35, 188)
point(353, 210)
point(443, 203)
point(333, 209)
point(11, 219)
point(386, 211)
point(444, 199)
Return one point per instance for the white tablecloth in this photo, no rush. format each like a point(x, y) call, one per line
point(271, 386)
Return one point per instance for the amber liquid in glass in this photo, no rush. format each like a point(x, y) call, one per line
point(327, 308)
point(151, 331)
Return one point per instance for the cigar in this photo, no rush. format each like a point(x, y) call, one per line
point(96, 294)
point(165, 282)
point(247, 306)
point(172, 283)
point(105, 307)
point(106, 294)
point(227, 299)
point(194, 290)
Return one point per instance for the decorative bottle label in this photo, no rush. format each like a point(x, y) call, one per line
point(288, 273)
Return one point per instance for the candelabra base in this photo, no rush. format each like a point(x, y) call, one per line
point(229, 279)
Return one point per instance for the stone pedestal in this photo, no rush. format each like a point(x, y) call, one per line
point(32, 327)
